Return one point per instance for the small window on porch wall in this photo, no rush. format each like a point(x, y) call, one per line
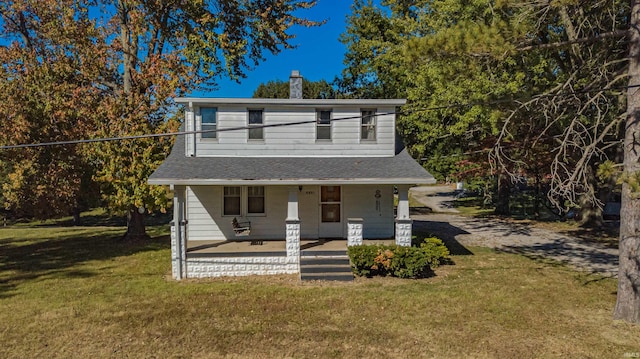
point(209, 117)
point(368, 125)
point(323, 124)
point(232, 197)
point(255, 200)
point(256, 131)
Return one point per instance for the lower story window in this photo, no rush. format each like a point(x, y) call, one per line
point(243, 200)
point(232, 201)
point(255, 200)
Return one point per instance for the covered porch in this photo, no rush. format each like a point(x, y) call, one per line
point(274, 247)
point(246, 254)
point(323, 259)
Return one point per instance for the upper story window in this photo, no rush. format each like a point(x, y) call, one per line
point(209, 122)
point(256, 131)
point(323, 124)
point(368, 125)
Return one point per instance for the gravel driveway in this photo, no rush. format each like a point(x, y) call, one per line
point(505, 235)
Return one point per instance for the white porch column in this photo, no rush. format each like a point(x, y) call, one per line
point(354, 231)
point(403, 221)
point(293, 226)
point(179, 234)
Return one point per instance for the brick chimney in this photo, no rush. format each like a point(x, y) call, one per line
point(295, 85)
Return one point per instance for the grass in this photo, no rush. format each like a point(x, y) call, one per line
point(413, 203)
point(472, 207)
point(81, 292)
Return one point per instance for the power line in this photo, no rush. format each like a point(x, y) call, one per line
point(414, 109)
point(167, 134)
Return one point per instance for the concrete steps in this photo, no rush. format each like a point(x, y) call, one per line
point(325, 265)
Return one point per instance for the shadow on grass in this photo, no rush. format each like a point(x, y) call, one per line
point(60, 256)
point(104, 220)
point(606, 235)
point(561, 252)
point(444, 231)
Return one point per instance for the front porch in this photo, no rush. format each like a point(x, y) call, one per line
point(260, 257)
point(256, 247)
point(253, 254)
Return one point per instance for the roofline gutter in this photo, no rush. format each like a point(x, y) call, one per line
point(191, 101)
point(287, 182)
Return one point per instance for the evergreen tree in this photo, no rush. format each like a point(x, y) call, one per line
point(527, 89)
point(310, 89)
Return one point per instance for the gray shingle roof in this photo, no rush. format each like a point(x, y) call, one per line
point(181, 170)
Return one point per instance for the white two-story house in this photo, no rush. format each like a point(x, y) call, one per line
point(283, 171)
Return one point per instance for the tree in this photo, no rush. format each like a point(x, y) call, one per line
point(374, 61)
point(310, 89)
point(541, 84)
point(628, 297)
point(45, 99)
point(149, 52)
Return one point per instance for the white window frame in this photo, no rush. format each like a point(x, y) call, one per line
point(324, 125)
point(373, 115)
point(264, 201)
point(244, 202)
point(224, 199)
point(209, 126)
point(250, 125)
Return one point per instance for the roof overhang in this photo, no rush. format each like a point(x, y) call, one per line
point(289, 182)
point(274, 102)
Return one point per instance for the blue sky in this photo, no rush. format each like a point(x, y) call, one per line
point(318, 56)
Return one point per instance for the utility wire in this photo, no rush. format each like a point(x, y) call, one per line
point(415, 109)
point(167, 134)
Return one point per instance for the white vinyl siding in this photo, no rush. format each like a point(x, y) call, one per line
point(358, 201)
point(300, 139)
point(206, 221)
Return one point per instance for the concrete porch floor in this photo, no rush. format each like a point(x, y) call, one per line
point(257, 246)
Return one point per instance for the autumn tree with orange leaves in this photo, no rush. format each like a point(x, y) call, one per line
point(81, 69)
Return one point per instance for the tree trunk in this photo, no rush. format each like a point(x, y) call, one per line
point(628, 300)
point(135, 225)
point(504, 195)
point(76, 216)
point(590, 211)
point(536, 198)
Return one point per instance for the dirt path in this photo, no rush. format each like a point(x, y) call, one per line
point(510, 236)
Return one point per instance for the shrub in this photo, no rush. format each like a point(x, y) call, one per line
point(362, 259)
point(435, 250)
point(398, 261)
point(409, 262)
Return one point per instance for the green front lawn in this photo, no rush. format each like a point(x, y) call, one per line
point(81, 292)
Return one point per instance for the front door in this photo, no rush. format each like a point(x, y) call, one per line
point(330, 212)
